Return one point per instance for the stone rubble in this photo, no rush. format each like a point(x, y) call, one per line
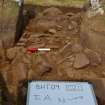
point(81, 61)
point(52, 31)
point(52, 11)
point(45, 25)
point(70, 27)
point(44, 68)
point(94, 57)
point(11, 53)
point(77, 48)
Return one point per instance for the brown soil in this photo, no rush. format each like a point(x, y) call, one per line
point(60, 32)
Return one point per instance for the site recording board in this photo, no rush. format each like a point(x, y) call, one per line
point(60, 93)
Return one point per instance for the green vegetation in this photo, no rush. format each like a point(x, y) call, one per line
point(57, 2)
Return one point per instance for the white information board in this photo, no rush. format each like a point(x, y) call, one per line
point(60, 93)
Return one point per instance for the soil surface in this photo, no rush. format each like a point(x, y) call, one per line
point(69, 58)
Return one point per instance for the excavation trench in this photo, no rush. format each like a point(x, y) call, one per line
point(58, 28)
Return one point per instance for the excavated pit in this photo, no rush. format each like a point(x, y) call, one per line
point(58, 28)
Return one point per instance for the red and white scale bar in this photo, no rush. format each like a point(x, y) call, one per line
point(43, 49)
point(33, 50)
